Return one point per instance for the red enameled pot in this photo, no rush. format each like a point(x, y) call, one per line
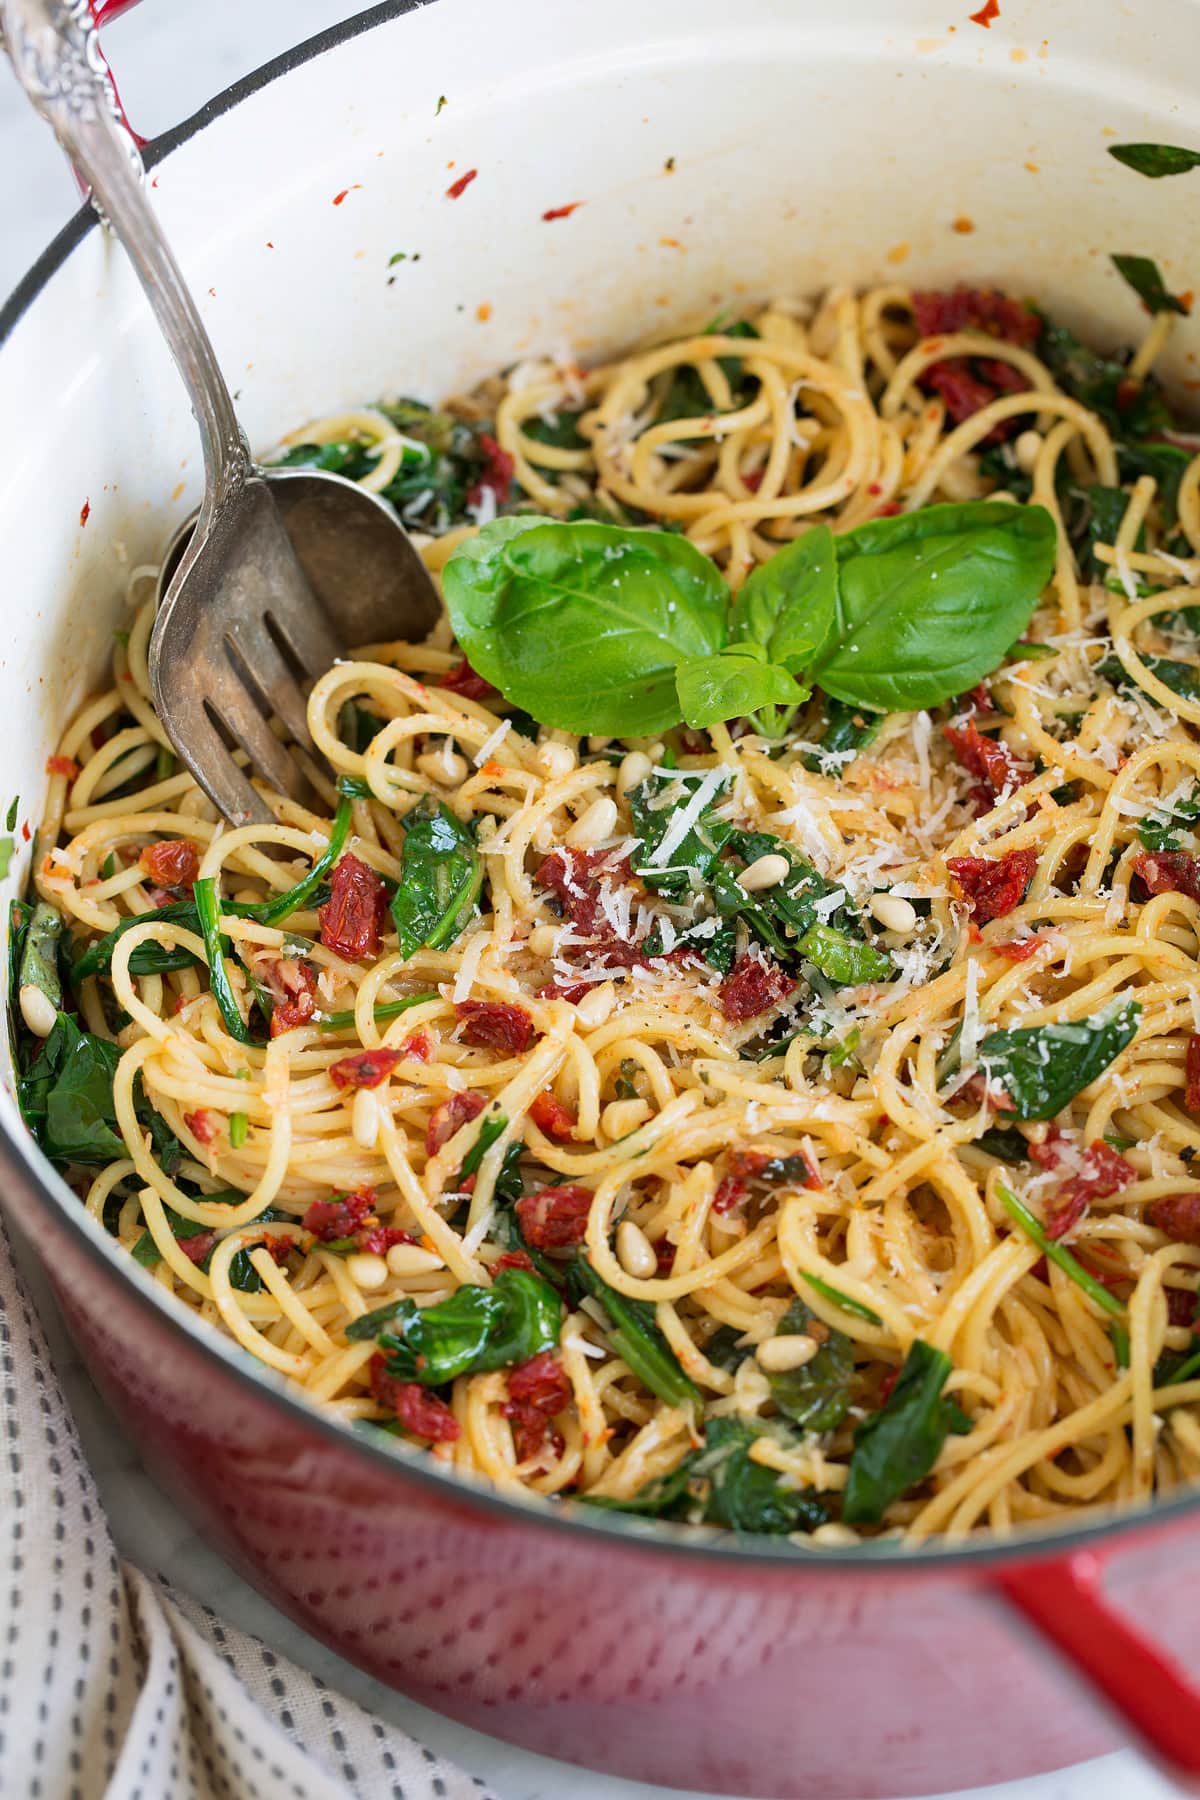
point(765, 151)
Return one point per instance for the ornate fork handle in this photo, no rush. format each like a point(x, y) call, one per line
point(54, 49)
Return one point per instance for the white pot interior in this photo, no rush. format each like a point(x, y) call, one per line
point(716, 157)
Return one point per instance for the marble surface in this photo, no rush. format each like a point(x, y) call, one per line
point(170, 59)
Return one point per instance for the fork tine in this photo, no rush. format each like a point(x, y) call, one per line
point(205, 752)
point(234, 708)
point(264, 669)
point(310, 638)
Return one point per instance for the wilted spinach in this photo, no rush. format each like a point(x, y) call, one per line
point(441, 874)
point(474, 1330)
point(1042, 1067)
point(896, 1447)
point(817, 1395)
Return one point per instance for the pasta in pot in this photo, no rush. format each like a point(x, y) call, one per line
point(784, 1123)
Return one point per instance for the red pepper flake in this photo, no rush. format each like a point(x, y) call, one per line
point(418, 1411)
point(562, 212)
point(62, 765)
point(202, 1125)
point(197, 1246)
point(366, 1069)
point(26, 833)
point(752, 987)
point(463, 680)
point(353, 188)
point(497, 476)
point(495, 1025)
point(1169, 872)
point(1019, 949)
point(537, 1391)
point(419, 1046)
point(458, 188)
point(988, 11)
point(450, 1117)
point(85, 512)
point(1192, 1069)
point(555, 1218)
point(551, 1116)
point(175, 863)
point(993, 887)
point(352, 917)
point(893, 1375)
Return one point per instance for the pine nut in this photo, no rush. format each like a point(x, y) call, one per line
point(445, 766)
point(620, 1117)
point(596, 1005)
point(1027, 450)
point(542, 939)
point(594, 825)
point(412, 1259)
point(633, 771)
point(894, 913)
point(38, 1010)
point(367, 1272)
point(364, 1119)
point(764, 872)
point(596, 744)
point(778, 1355)
point(835, 1535)
point(556, 760)
point(635, 1253)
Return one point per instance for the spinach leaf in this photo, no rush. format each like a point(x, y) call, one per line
point(560, 433)
point(39, 956)
point(1145, 278)
point(390, 1009)
point(929, 601)
point(66, 1100)
point(685, 395)
point(242, 1273)
point(216, 948)
point(720, 1485)
point(443, 460)
point(338, 458)
point(789, 604)
point(1181, 677)
point(584, 624)
point(441, 874)
point(655, 805)
point(636, 1337)
point(147, 959)
point(509, 1183)
point(474, 1330)
point(816, 1396)
point(1042, 1067)
point(725, 1350)
point(1005, 1143)
point(733, 683)
point(1159, 830)
point(846, 961)
point(1057, 1252)
point(836, 1298)
point(897, 1446)
point(1155, 160)
point(1106, 507)
point(1129, 408)
point(847, 731)
point(1167, 463)
point(280, 906)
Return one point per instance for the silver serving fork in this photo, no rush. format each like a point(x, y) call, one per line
point(280, 568)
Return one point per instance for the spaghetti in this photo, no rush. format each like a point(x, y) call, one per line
point(788, 1247)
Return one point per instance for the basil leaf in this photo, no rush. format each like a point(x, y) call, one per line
point(441, 874)
point(731, 684)
point(635, 1337)
point(1042, 1067)
point(897, 1446)
point(929, 601)
point(474, 1330)
point(816, 1396)
point(655, 805)
point(1155, 160)
point(788, 605)
point(844, 960)
point(584, 624)
point(1145, 278)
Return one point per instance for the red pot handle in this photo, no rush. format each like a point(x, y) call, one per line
point(103, 13)
point(1065, 1599)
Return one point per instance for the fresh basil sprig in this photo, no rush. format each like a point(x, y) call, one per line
point(1145, 278)
point(1155, 160)
point(599, 628)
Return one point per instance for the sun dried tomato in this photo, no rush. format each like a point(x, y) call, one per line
point(366, 1069)
point(981, 1092)
point(1102, 1173)
point(514, 1259)
point(459, 187)
point(279, 1248)
point(940, 312)
point(377, 1240)
point(341, 1216)
point(286, 1015)
point(964, 394)
point(174, 863)
point(1178, 1216)
point(1169, 872)
point(418, 1411)
point(1181, 1307)
point(495, 1025)
point(497, 475)
point(62, 765)
point(202, 1125)
point(665, 1253)
point(551, 1116)
point(197, 1247)
point(991, 886)
point(1192, 1073)
point(463, 679)
point(419, 1046)
point(577, 879)
point(990, 761)
point(752, 987)
point(352, 917)
point(538, 1390)
point(1019, 949)
point(555, 1218)
point(731, 1191)
point(450, 1117)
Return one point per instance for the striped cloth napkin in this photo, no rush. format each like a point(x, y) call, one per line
point(115, 1687)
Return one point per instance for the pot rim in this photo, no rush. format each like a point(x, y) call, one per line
point(626, 1530)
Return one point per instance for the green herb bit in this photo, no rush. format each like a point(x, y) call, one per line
point(1059, 1254)
point(205, 895)
point(836, 1297)
point(39, 958)
point(1155, 160)
point(1145, 278)
point(239, 1125)
point(636, 1337)
point(389, 1009)
point(10, 820)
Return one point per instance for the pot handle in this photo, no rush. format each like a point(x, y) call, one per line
point(1064, 1597)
